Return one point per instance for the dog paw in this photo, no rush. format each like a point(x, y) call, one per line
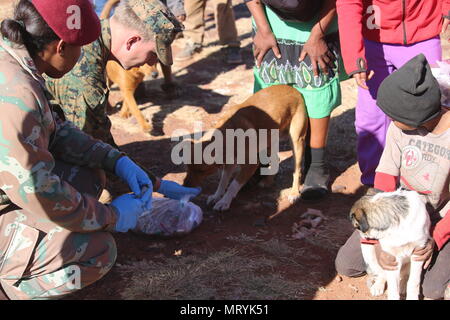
point(212, 199)
point(222, 205)
point(413, 293)
point(124, 114)
point(395, 296)
point(146, 127)
point(293, 197)
point(377, 288)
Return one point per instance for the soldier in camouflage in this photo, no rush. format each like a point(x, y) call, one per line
point(54, 233)
point(137, 30)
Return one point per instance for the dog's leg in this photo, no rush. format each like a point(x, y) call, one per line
point(297, 133)
point(227, 173)
point(374, 269)
point(128, 96)
point(413, 284)
point(247, 171)
point(393, 282)
point(124, 111)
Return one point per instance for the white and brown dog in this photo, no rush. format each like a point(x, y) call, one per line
point(280, 108)
point(400, 221)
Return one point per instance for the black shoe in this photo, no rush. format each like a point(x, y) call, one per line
point(233, 55)
point(316, 183)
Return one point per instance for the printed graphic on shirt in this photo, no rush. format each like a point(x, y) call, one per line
point(411, 157)
point(424, 164)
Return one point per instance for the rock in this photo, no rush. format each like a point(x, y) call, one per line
point(338, 188)
point(310, 213)
point(315, 222)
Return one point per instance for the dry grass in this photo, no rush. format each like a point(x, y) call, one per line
point(277, 248)
point(227, 274)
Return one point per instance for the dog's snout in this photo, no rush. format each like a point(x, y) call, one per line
point(359, 221)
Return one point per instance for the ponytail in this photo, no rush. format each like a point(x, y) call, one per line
point(28, 28)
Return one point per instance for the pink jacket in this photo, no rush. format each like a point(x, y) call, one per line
point(387, 21)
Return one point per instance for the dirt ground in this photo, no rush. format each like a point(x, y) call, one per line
point(241, 253)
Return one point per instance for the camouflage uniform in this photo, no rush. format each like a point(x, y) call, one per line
point(83, 92)
point(54, 235)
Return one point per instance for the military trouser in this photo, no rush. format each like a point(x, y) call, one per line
point(225, 21)
point(41, 260)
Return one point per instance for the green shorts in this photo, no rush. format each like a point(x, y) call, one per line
point(320, 102)
point(322, 94)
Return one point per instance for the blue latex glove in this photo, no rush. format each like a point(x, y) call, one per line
point(129, 208)
point(132, 174)
point(176, 191)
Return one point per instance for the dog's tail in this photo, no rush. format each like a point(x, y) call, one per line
point(108, 8)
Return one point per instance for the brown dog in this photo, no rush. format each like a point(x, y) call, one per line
point(278, 107)
point(129, 80)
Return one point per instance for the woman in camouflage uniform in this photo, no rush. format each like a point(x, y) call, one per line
point(54, 235)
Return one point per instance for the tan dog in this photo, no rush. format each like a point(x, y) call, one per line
point(129, 80)
point(278, 107)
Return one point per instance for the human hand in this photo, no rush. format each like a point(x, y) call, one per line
point(445, 25)
point(425, 253)
point(362, 77)
point(263, 42)
point(129, 208)
point(176, 191)
point(386, 260)
point(133, 175)
point(322, 58)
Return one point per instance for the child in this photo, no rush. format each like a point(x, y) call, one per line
point(378, 37)
point(296, 43)
point(416, 156)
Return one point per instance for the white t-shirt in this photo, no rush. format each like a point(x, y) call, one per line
point(422, 161)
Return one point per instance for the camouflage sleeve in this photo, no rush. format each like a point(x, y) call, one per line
point(73, 146)
point(26, 166)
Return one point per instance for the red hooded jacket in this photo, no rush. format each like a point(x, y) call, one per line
point(387, 21)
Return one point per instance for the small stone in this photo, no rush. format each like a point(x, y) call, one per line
point(338, 188)
point(354, 288)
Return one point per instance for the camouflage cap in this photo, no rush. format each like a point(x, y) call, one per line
point(161, 22)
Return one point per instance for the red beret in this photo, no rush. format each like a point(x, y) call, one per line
point(73, 21)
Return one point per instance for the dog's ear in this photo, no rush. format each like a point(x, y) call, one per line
point(359, 219)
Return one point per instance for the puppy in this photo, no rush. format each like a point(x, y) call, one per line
point(278, 107)
point(400, 221)
point(129, 80)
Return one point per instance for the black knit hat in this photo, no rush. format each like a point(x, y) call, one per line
point(411, 95)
